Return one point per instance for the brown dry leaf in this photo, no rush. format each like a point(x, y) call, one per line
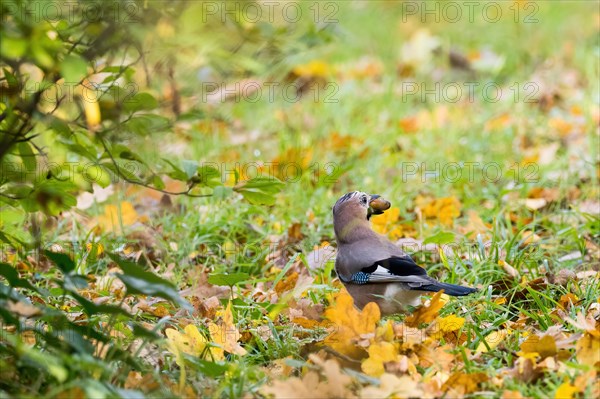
point(461, 383)
point(393, 386)
point(427, 312)
point(23, 309)
point(350, 324)
point(587, 324)
point(535, 203)
point(511, 271)
point(287, 283)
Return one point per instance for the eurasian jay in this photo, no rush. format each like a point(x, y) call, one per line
point(371, 267)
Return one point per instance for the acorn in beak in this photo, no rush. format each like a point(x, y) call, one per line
point(377, 205)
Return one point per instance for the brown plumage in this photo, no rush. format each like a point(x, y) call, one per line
point(370, 266)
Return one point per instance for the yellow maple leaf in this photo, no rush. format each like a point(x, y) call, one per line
point(349, 323)
point(444, 325)
point(226, 336)
point(190, 341)
point(566, 391)
point(544, 346)
point(387, 223)
point(427, 312)
point(492, 340)
point(116, 216)
point(461, 383)
point(445, 209)
point(588, 349)
point(379, 353)
point(314, 68)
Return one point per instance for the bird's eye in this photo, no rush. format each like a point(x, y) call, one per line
point(363, 199)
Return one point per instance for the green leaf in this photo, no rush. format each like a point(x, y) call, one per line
point(176, 173)
point(11, 79)
point(13, 47)
point(210, 369)
point(140, 101)
point(229, 279)
point(63, 261)
point(209, 176)
point(260, 190)
point(189, 167)
point(145, 124)
point(12, 276)
point(440, 238)
point(27, 156)
point(90, 308)
point(139, 281)
point(73, 69)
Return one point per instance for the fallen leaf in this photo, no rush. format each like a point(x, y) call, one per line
point(588, 350)
point(461, 383)
point(427, 312)
point(492, 340)
point(511, 395)
point(116, 216)
point(393, 386)
point(535, 203)
point(511, 271)
point(349, 324)
point(379, 353)
point(544, 346)
point(226, 335)
point(444, 325)
point(444, 210)
point(566, 391)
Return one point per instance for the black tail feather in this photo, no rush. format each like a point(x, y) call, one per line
point(450, 289)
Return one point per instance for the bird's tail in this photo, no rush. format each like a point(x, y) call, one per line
point(450, 289)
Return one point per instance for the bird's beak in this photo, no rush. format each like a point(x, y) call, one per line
point(377, 205)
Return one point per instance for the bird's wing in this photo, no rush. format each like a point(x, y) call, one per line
point(401, 269)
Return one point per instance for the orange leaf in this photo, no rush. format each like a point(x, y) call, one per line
point(426, 313)
point(350, 323)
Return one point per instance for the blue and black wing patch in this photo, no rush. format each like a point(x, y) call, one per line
point(388, 270)
point(405, 270)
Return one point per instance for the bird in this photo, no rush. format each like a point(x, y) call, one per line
point(371, 267)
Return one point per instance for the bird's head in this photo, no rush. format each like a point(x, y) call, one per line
point(360, 205)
